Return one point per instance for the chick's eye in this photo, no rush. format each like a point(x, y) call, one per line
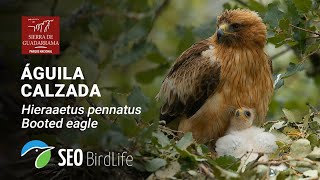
point(247, 113)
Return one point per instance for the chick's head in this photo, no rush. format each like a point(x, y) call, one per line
point(243, 118)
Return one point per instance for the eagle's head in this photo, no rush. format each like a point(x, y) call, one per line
point(240, 28)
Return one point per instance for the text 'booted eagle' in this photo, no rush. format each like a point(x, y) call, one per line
point(215, 76)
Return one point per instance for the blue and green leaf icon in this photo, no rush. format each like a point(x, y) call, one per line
point(39, 147)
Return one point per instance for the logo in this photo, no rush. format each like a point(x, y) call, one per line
point(75, 157)
point(43, 150)
point(40, 34)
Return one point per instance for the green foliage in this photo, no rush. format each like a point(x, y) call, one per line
point(137, 99)
point(155, 164)
point(303, 6)
point(185, 141)
point(298, 152)
point(273, 15)
point(293, 24)
point(127, 47)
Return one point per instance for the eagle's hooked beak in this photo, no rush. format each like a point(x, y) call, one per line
point(222, 30)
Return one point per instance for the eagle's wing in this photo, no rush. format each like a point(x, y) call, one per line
point(193, 78)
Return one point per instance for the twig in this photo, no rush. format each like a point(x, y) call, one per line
point(267, 173)
point(312, 107)
point(168, 129)
point(306, 30)
point(278, 162)
point(272, 121)
point(280, 53)
point(237, 161)
point(161, 7)
point(206, 171)
point(314, 37)
point(241, 2)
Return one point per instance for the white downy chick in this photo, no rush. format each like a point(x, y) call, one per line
point(258, 140)
point(249, 140)
point(235, 142)
point(231, 144)
point(265, 142)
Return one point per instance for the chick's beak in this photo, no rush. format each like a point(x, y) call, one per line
point(242, 116)
point(221, 31)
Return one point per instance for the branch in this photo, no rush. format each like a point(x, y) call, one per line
point(206, 171)
point(312, 107)
point(168, 129)
point(280, 53)
point(278, 162)
point(305, 30)
point(130, 15)
point(241, 2)
point(161, 7)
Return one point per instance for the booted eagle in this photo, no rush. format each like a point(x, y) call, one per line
point(217, 75)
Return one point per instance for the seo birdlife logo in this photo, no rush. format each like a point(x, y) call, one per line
point(43, 150)
point(75, 157)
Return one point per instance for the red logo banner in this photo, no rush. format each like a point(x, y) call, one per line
point(40, 34)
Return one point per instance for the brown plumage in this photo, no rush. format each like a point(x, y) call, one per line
point(218, 75)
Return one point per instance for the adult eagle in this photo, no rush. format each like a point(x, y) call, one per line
point(215, 76)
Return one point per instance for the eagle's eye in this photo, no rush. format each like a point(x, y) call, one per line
point(235, 26)
point(247, 113)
